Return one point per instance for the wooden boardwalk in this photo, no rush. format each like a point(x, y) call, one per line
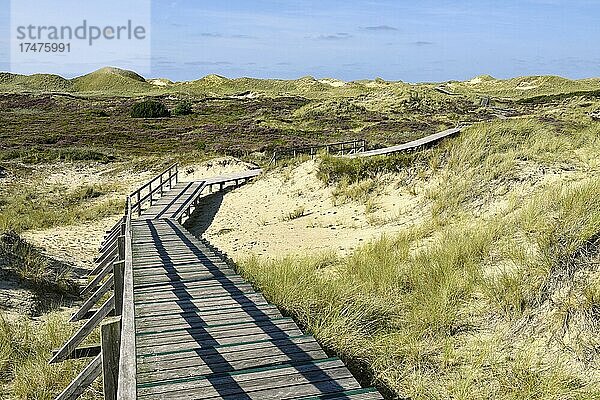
point(192, 328)
point(408, 146)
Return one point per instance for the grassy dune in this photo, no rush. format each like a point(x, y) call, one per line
point(494, 295)
point(526, 87)
point(24, 349)
point(111, 81)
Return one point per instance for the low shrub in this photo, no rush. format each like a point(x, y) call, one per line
point(150, 109)
point(183, 108)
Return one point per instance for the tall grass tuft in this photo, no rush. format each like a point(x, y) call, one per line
point(25, 348)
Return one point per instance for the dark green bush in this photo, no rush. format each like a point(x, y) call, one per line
point(183, 108)
point(150, 109)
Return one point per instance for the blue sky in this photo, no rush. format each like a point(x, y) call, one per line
point(396, 40)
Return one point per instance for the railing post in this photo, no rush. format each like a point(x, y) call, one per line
point(121, 244)
point(110, 343)
point(118, 274)
point(139, 206)
point(161, 185)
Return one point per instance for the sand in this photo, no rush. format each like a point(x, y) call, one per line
point(77, 244)
point(254, 219)
point(74, 244)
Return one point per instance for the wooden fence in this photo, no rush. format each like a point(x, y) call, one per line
point(337, 148)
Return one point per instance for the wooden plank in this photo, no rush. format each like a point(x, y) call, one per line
point(164, 278)
point(193, 321)
point(204, 283)
point(187, 293)
point(175, 310)
point(92, 300)
point(108, 253)
point(200, 276)
point(94, 283)
point(174, 355)
point(83, 380)
point(127, 386)
point(84, 331)
point(184, 293)
point(151, 342)
point(277, 382)
point(103, 263)
point(82, 352)
point(110, 341)
point(228, 359)
point(203, 304)
point(186, 297)
point(356, 394)
point(118, 277)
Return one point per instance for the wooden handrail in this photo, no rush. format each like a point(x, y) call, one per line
point(165, 178)
point(127, 381)
point(321, 146)
point(357, 146)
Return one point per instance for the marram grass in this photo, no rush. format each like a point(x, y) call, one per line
point(471, 303)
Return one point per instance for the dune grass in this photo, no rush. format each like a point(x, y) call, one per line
point(494, 295)
point(41, 206)
point(28, 262)
point(25, 347)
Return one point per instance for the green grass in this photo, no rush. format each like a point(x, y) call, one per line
point(536, 88)
point(494, 294)
point(352, 170)
point(298, 212)
point(25, 348)
point(31, 265)
point(39, 155)
point(38, 206)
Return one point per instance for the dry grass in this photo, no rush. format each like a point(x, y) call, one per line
point(25, 348)
point(494, 295)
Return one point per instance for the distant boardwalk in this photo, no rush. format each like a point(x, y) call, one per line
point(408, 146)
point(194, 329)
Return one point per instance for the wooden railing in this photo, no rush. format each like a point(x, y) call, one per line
point(126, 387)
point(219, 183)
point(146, 193)
point(112, 358)
point(338, 148)
point(115, 357)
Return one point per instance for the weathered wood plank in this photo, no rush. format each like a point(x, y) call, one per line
point(277, 382)
point(83, 380)
point(92, 300)
point(94, 283)
point(84, 331)
point(210, 361)
point(127, 385)
point(408, 146)
point(110, 341)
